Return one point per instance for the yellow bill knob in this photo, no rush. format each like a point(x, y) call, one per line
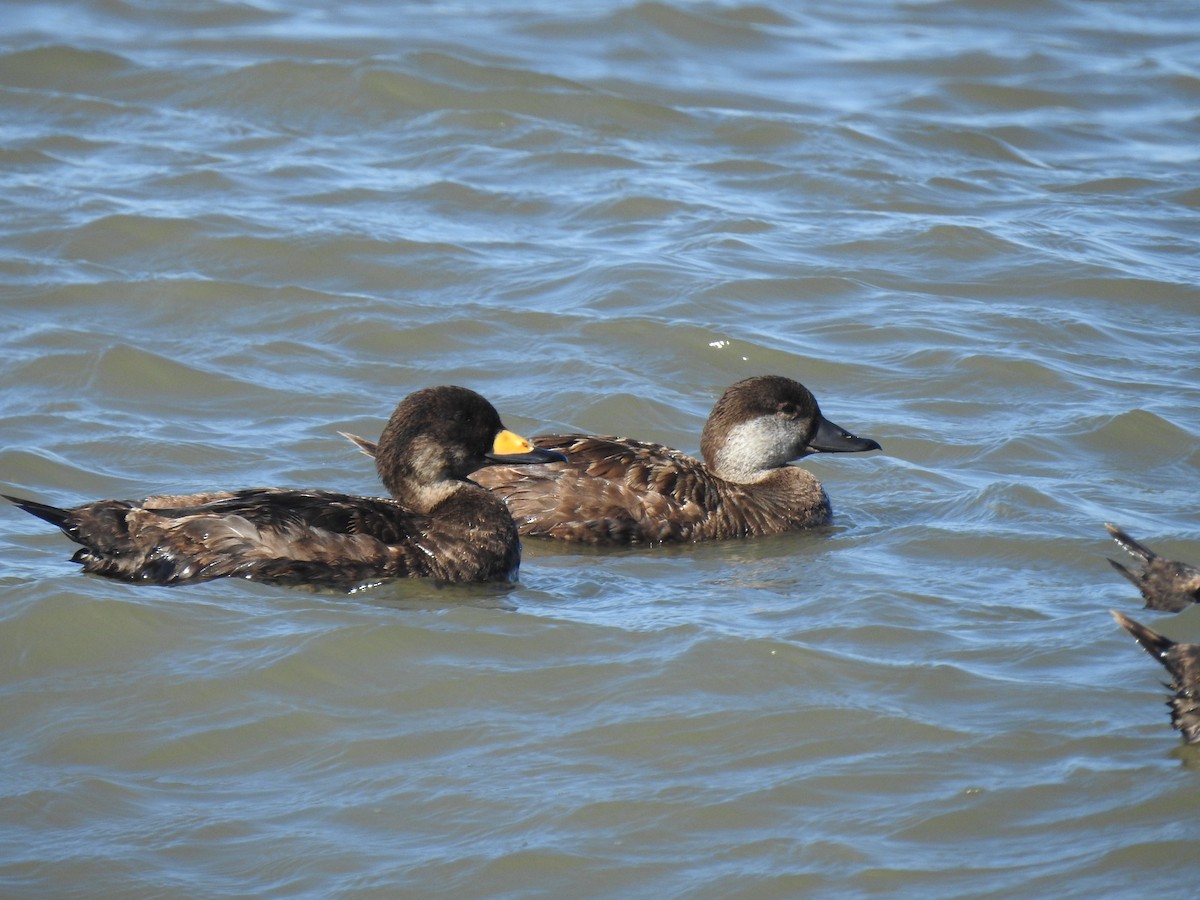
point(509, 447)
point(509, 443)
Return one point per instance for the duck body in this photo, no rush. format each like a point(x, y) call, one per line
point(436, 524)
point(616, 490)
point(1165, 584)
point(291, 537)
point(1182, 661)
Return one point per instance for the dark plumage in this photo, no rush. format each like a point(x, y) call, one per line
point(437, 523)
point(614, 490)
point(1165, 584)
point(1183, 662)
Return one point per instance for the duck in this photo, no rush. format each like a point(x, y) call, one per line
point(1183, 662)
point(436, 523)
point(616, 490)
point(1165, 584)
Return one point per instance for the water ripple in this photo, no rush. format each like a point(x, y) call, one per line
point(233, 230)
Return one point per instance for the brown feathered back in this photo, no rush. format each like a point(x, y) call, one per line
point(617, 490)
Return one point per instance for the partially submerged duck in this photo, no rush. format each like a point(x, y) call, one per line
point(614, 490)
point(1183, 662)
point(1165, 584)
point(436, 524)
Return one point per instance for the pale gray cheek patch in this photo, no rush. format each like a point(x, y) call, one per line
point(754, 447)
point(425, 458)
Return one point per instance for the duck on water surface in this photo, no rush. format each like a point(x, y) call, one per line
point(616, 490)
point(435, 524)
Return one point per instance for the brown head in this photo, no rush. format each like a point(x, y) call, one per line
point(439, 435)
point(764, 422)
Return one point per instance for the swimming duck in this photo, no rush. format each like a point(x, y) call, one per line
point(1165, 584)
point(1183, 662)
point(614, 490)
point(436, 524)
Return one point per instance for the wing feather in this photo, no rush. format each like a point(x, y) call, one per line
point(611, 489)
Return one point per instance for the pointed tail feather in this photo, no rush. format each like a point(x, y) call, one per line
point(368, 447)
point(52, 514)
point(1157, 645)
point(1132, 576)
point(1132, 547)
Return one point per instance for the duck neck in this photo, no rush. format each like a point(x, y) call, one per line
point(419, 478)
point(426, 497)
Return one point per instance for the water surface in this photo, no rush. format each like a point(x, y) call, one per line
point(969, 227)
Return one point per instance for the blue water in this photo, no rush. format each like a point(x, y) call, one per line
point(234, 229)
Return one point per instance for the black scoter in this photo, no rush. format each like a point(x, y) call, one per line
point(1165, 584)
point(436, 523)
point(1183, 662)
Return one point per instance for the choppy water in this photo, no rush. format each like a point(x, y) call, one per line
point(231, 229)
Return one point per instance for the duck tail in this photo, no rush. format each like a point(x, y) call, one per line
point(52, 514)
point(1157, 645)
point(1183, 662)
point(371, 448)
point(1132, 547)
point(1131, 576)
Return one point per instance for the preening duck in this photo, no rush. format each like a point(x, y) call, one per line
point(615, 490)
point(1165, 584)
point(436, 523)
point(1183, 662)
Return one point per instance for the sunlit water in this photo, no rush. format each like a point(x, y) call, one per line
point(231, 230)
